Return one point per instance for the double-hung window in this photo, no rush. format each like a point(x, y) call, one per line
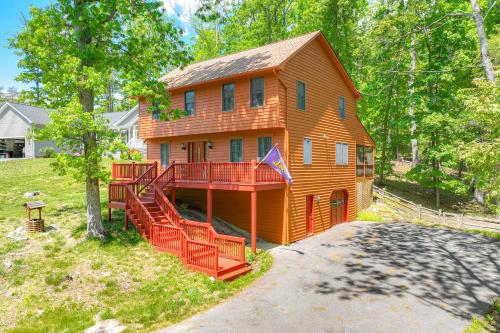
point(164, 155)
point(360, 161)
point(257, 92)
point(342, 153)
point(301, 95)
point(236, 147)
point(265, 145)
point(368, 161)
point(307, 151)
point(155, 114)
point(189, 98)
point(228, 97)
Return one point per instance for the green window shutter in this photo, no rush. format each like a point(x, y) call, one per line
point(164, 155)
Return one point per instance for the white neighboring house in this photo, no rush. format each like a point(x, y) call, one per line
point(17, 122)
point(127, 123)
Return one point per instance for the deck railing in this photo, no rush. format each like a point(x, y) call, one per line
point(197, 242)
point(129, 170)
point(226, 172)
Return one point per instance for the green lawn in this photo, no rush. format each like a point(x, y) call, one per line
point(489, 323)
point(60, 282)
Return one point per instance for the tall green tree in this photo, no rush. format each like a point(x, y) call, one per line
point(75, 46)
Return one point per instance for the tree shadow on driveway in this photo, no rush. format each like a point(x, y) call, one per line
point(456, 271)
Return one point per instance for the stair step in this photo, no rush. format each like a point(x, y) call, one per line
point(233, 274)
point(235, 267)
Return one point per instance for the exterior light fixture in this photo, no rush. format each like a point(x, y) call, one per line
point(183, 146)
point(210, 145)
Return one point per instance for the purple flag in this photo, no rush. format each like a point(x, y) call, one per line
point(274, 159)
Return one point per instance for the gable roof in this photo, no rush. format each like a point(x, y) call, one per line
point(267, 57)
point(32, 114)
point(113, 117)
point(127, 118)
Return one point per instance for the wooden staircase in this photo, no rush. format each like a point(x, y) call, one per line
point(197, 244)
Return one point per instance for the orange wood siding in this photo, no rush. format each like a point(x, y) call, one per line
point(208, 116)
point(321, 123)
point(220, 142)
point(234, 207)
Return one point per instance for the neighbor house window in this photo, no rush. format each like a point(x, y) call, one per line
point(189, 102)
point(307, 151)
point(360, 161)
point(341, 153)
point(265, 145)
point(341, 107)
point(301, 95)
point(236, 146)
point(164, 155)
point(227, 97)
point(257, 92)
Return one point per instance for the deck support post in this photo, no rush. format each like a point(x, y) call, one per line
point(253, 220)
point(209, 206)
point(126, 220)
point(109, 214)
point(172, 196)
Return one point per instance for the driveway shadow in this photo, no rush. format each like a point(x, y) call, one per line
point(455, 271)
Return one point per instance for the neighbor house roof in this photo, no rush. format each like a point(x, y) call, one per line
point(113, 117)
point(33, 114)
point(267, 57)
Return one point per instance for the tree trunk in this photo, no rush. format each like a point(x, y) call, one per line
point(95, 228)
point(482, 40)
point(411, 108)
point(94, 221)
point(383, 159)
point(87, 99)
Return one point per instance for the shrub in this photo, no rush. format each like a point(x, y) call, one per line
point(47, 152)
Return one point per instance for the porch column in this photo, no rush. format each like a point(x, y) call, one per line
point(172, 196)
point(253, 220)
point(209, 206)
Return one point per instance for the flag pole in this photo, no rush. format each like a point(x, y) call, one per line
point(265, 156)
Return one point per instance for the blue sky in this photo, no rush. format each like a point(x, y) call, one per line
point(10, 22)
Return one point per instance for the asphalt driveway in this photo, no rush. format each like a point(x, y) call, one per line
point(365, 277)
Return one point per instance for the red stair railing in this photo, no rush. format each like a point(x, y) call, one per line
point(197, 242)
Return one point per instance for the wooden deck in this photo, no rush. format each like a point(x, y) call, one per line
point(199, 246)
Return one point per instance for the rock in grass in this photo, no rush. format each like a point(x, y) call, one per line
point(106, 326)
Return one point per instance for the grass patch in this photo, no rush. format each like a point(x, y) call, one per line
point(490, 322)
point(487, 233)
point(367, 215)
point(60, 281)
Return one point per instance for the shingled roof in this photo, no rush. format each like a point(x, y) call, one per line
point(34, 114)
point(261, 58)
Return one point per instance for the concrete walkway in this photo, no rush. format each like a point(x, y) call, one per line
point(365, 277)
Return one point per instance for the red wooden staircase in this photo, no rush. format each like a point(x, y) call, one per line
point(198, 245)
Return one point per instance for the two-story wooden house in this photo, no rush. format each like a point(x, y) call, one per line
point(294, 93)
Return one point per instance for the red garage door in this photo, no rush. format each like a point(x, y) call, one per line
point(338, 207)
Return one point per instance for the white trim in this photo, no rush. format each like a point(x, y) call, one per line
point(125, 116)
point(4, 107)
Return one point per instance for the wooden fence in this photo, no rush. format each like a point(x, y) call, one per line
point(413, 211)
